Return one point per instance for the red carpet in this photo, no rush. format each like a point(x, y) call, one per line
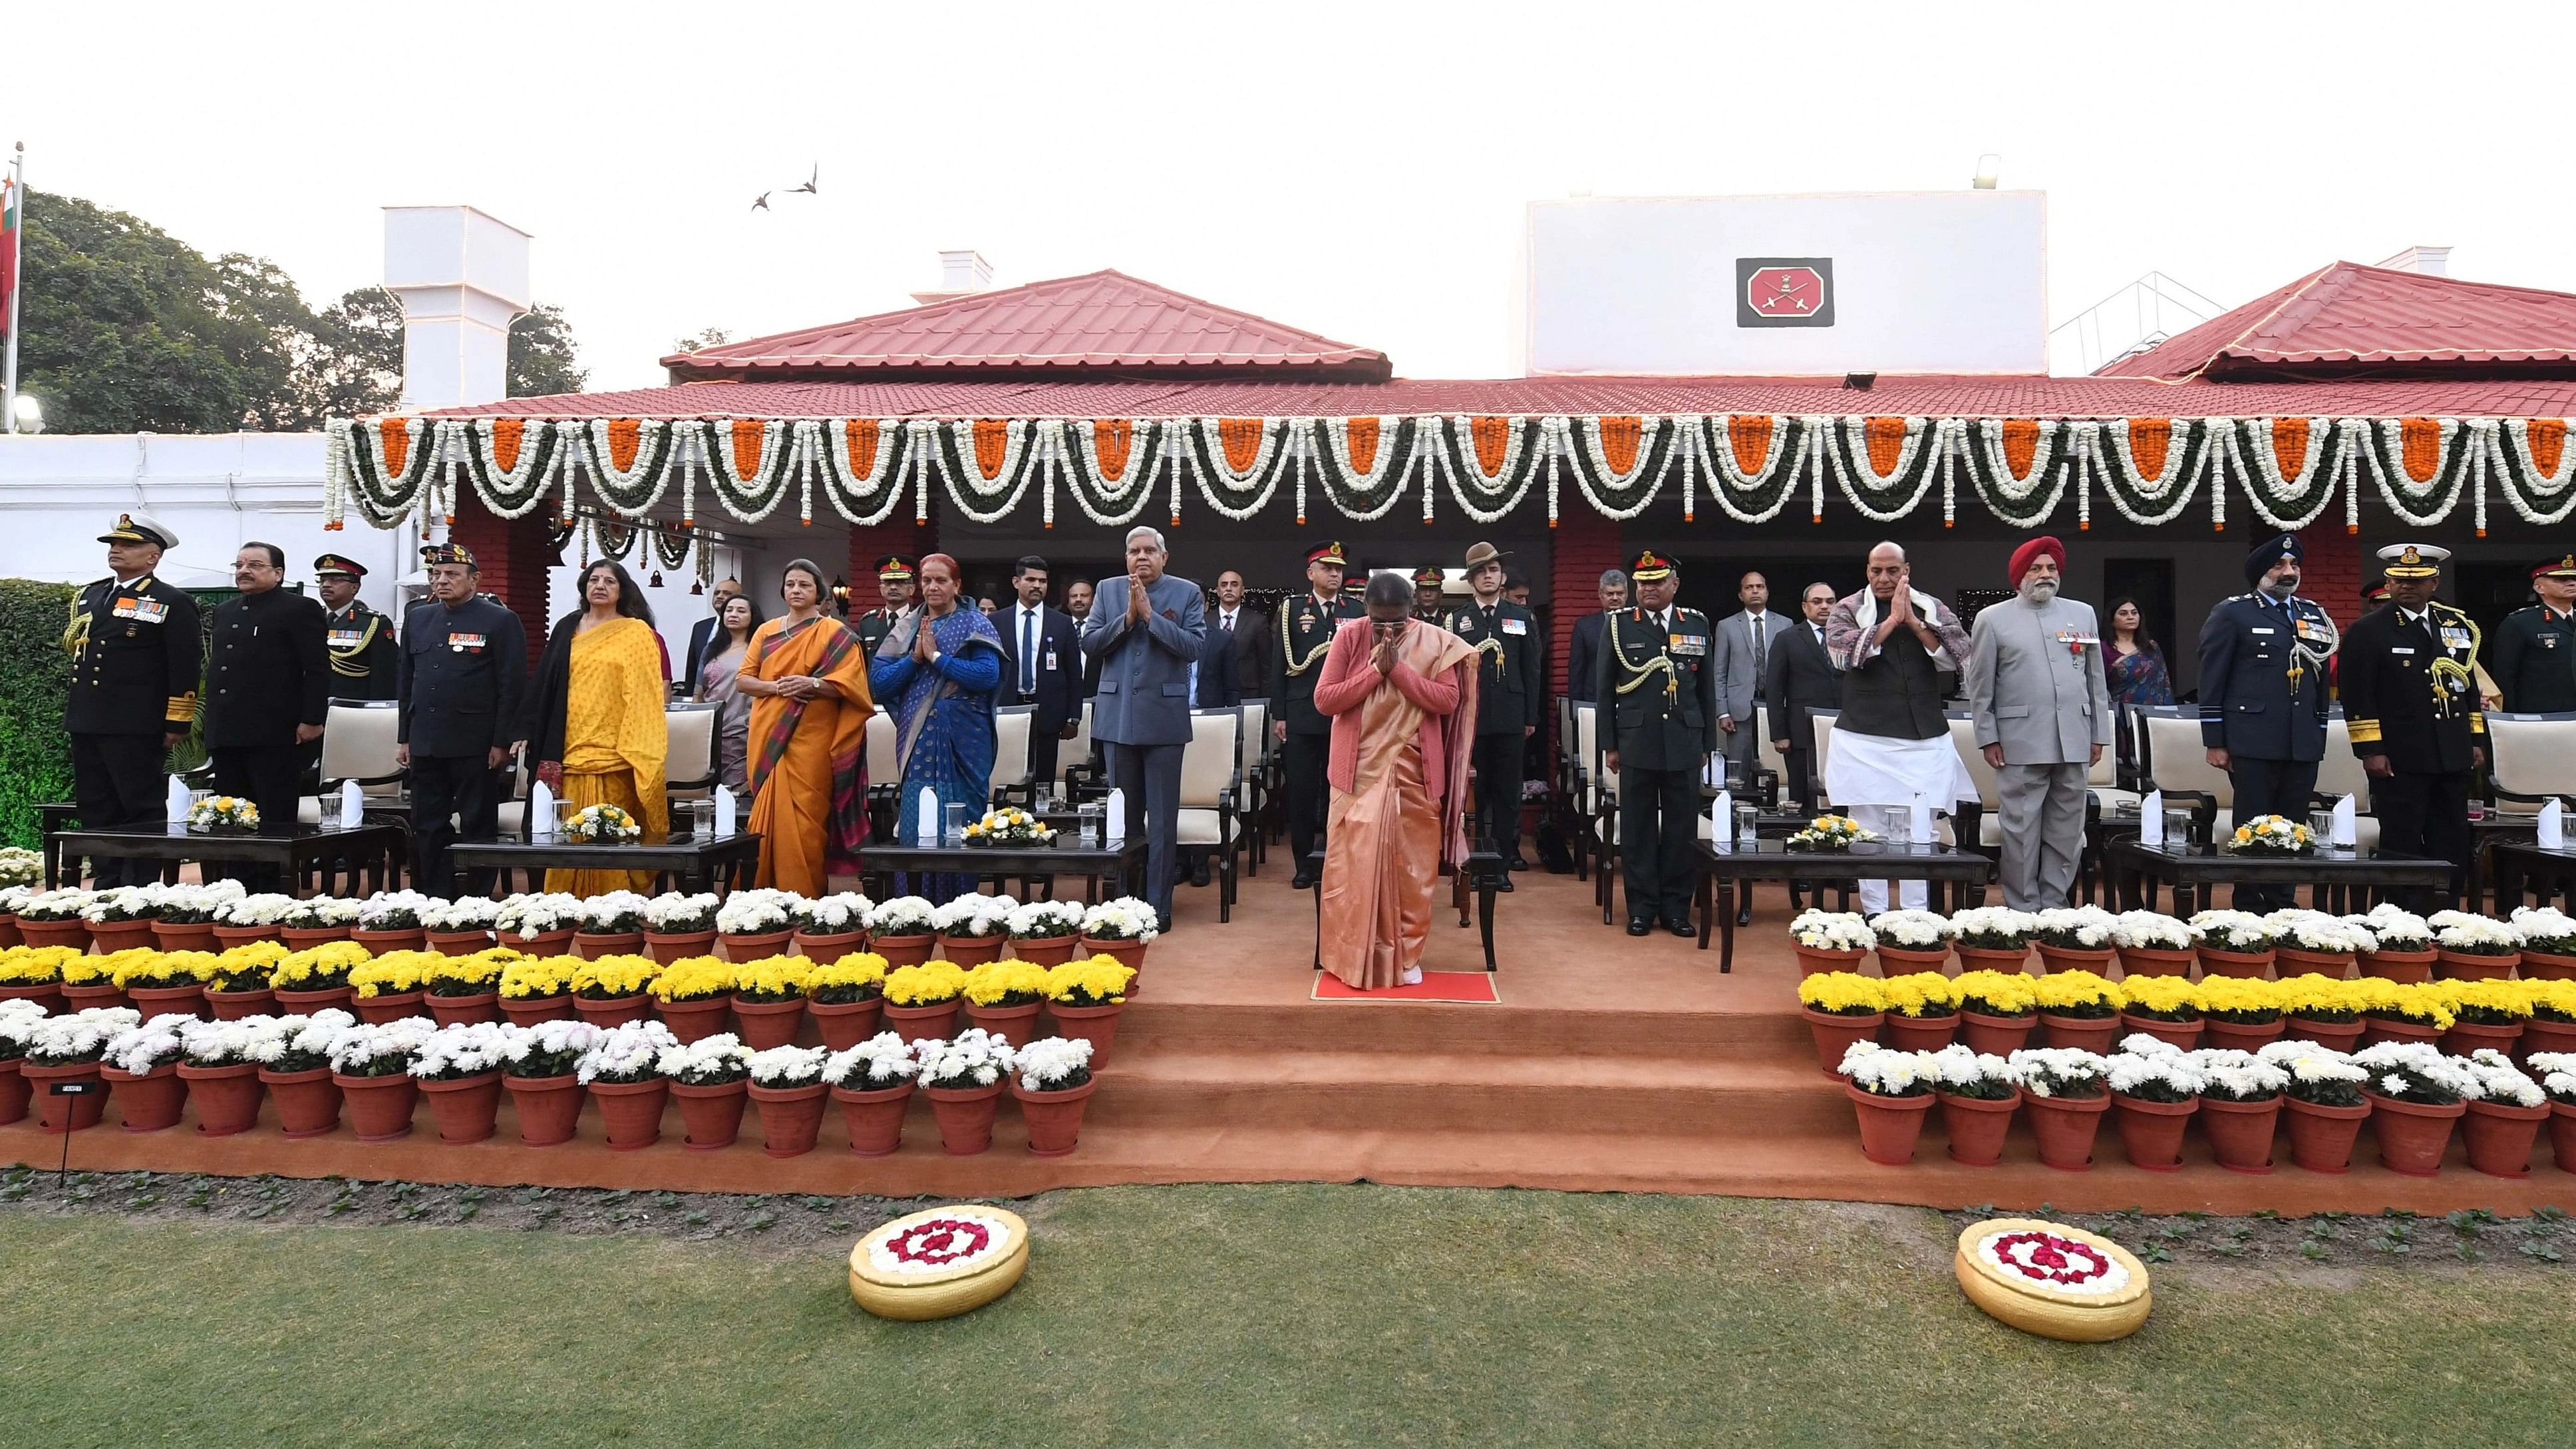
point(1468, 986)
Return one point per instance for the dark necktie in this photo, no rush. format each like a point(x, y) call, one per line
point(1028, 651)
point(1761, 652)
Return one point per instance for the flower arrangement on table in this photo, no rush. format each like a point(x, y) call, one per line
point(634, 1051)
point(1996, 993)
point(1054, 1064)
point(2079, 994)
point(1821, 930)
point(393, 911)
point(2499, 1080)
point(223, 815)
point(1993, 928)
point(34, 965)
point(469, 975)
point(2557, 1074)
point(2239, 999)
point(20, 866)
point(1045, 920)
point(2239, 931)
point(2272, 835)
point(710, 1061)
point(2160, 998)
point(614, 913)
point(394, 973)
point(761, 912)
point(1909, 930)
point(1827, 834)
point(1962, 1072)
point(2463, 934)
point(2398, 929)
point(2317, 1075)
point(773, 978)
point(2415, 1004)
point(675, 914)
point(318, 968)
point(859, 976)
point(2052, 1072)
point(1007, 982)
point(1122, 919)
point(384, 1050)
point(973, 1058)
point(197, 905)
point(2415, 1071)
point(927, 984)
point(2075, 928)
point(141, 1049)
point(902, 917)
point(1887, 1072)
point(2153, 1070)
point(538, 978)
point(1096, 981)
point(844, 913)
point(692, 978)
point(974, 917)
point(1842, 993)
point(1008, 826)
point(882, 1061)
point(62, 905)
point(465, 913)
point(547, 1049)
point(781, 1067)
point(614, 978)
point(465, 1049)
point(2327, 999)
point(162, 970)
point(285, 1044)
point(529, 916)
point(1920, 994)
point(602, 825)
point(2152, 931)
point(2487, 1003)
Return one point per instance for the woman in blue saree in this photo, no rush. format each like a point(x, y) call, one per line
point(936, 673)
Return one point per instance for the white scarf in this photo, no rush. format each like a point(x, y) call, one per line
point(1926, 608)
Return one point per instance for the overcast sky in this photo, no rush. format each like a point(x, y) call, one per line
point(1359, 170)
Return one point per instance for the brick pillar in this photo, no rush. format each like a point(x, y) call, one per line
point(1581, 546)
point(867, 545)
point(514, 555)
point(2332, 573)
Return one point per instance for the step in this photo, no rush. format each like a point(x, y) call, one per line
point(1538, 1026)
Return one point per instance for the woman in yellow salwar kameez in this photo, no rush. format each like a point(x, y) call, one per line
point(807, 675)
point(599, 735)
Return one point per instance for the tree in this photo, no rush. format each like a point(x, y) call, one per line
point(542, 353)
point(706, 337)
point(358, 366)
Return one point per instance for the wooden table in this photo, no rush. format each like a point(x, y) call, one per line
point(1938, 866)
point(2552, 873)
point(1123, 865)
point(697, 863)
point(2332, 873)
point(374, 850)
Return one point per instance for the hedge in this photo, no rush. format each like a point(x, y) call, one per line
point(35, 678)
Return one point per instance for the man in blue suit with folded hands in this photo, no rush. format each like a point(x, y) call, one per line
point(1146, 630)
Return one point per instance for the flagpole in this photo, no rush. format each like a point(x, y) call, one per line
point(17, 301)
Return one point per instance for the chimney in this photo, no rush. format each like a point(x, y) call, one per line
point(961, 274)
point(2429, 261)
point(462, 276)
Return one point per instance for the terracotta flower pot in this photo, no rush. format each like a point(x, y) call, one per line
point(2334, 1036)
point(1889, 1126)
point(2321, 1137)
point(227, 937)
point(1014, 1024)
point(2066, 1127)
point(1054, 1118)
point(2151, 1132)
point(1098, 1025)
point(790, 1118)
point(695, 1020)
point(81, 996)
point(9, 930)
point(463, 1010)
point(2500, 1135)
point(1986, 958)
point(305, 938)
point(1817, 961)
point(1125, 953)
point(227, 1097)
point(766, 1024)
point(465, 1107)
point(2154, 961)
point(845, 1024)
point(150, 1102)
point(387, 1006)
point(544, 943)
point(115, 936)
point(2240, 1133)
point(875, 1118)
point(547, 1107)
point(2242, 1036)
point(1898, 961)
point(829, 946)
point(632, 1111)
point(184, 935)
point(759, 947)
point(965, 1117)
point(2075, 958)
point(47, 994)
point(2562, 1133)
point(458, 943)
point(14, 1093)
point(155, 1001)
point(1833, 1034)
point(379, 942)
point(2462, 966)
point(591, 946)
point(308, 1103)
point(305, 1003)
point(2540, 1034)
point(1050, 950)
point(2000, 1035)
point(234, 1005)
point(903, 950)
point(2413, 1136)
point(1977, 1127)
point(2081, 1033)
point(678, 946)
point(65, 1114)
point(971, 951)
point(1920, 1033)
point(2404, 967)
point(923, 1023)
point(2377, 1029)
point(530, 1010)
point(54, 933)
point(2466, 1036)
point(2542, 966)
point(608, 1011)
point(712, 1115)
point(2183, 1034)
point(2249, 965)
point(2290, 961)
point(379, 1107)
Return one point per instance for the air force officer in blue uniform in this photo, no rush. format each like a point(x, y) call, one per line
point(1147, 630)
point(2263, 694)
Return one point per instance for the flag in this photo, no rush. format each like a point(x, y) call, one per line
point(13, 213)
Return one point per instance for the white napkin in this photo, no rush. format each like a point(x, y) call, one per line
point(541, 812)
point(2341, 829)
point(2151, 819)
point(1721, 821)
point(1922, 820)
point(1113, 826)
point(724, 811)
point(2553, 830)
point(353, 805)
point(178, 801)
point(926, 820)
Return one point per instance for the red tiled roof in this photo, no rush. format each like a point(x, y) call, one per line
point(1103, 320)
point(1985, 396)
point(2347, 316)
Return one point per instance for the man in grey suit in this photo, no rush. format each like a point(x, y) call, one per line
point(2043, 715)
point(1146, 630)
point(1744, 644)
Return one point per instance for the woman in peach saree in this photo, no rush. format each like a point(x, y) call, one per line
point(1402, 695)
point(807, 675)
point(600, 736)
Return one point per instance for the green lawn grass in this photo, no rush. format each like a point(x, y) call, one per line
point(1238, 1316)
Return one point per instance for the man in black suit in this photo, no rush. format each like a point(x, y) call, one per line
point(268, 689)
point(1077, 602)
point(1041, 654)
point(710, 627)
point(463, 672)
point(1583, 656)
point(1800, 677)
point(1247, 629)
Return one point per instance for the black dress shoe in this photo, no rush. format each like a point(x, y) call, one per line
point(1516, 863)
point(1682, 928)
point(1503, 882)
point(1744, 917)
point(1640, 926)
point(1302, 883)
point(1199, 872)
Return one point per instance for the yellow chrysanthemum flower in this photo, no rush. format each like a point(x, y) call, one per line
point(1921, 993)
point(1996, 993)
point(1844, 993)
point(1093, 982)
point(1011, 982)
point(536, 978)
point(927, 984)
point(612, 977)
point(2068, 990)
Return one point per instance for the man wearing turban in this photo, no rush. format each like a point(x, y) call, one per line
point(2263, 657)
point(2043, 714)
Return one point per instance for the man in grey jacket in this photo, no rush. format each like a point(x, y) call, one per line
point(1744, 643)
point(2043, 715)
point(1147, 630)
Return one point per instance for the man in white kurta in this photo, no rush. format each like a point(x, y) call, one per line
point(1895, 646)
point(2043, 715)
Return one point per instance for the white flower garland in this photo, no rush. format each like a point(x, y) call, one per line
point(1212, 445)
point(2511, 444)
point(1559, 434)
point(1855, 452)
point(1132, 489)
point(522, 476)
point(2283, 501)
point(865, 498)
point(1721, 458)
point(968, 487)
point(1494, 495)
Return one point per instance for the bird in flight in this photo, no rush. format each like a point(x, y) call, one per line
point(808, 187)
point(761, 203)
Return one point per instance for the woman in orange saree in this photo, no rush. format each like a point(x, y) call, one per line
point(600, 737)
point(807, 675)
point(1402, 697)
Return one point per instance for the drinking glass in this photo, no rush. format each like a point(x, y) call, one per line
point(1900, 824)
point(2321, 826)
point(1745, 834)
point(2178, 827)
point(952, 830)
point(1088, 832)
point(702, 819)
